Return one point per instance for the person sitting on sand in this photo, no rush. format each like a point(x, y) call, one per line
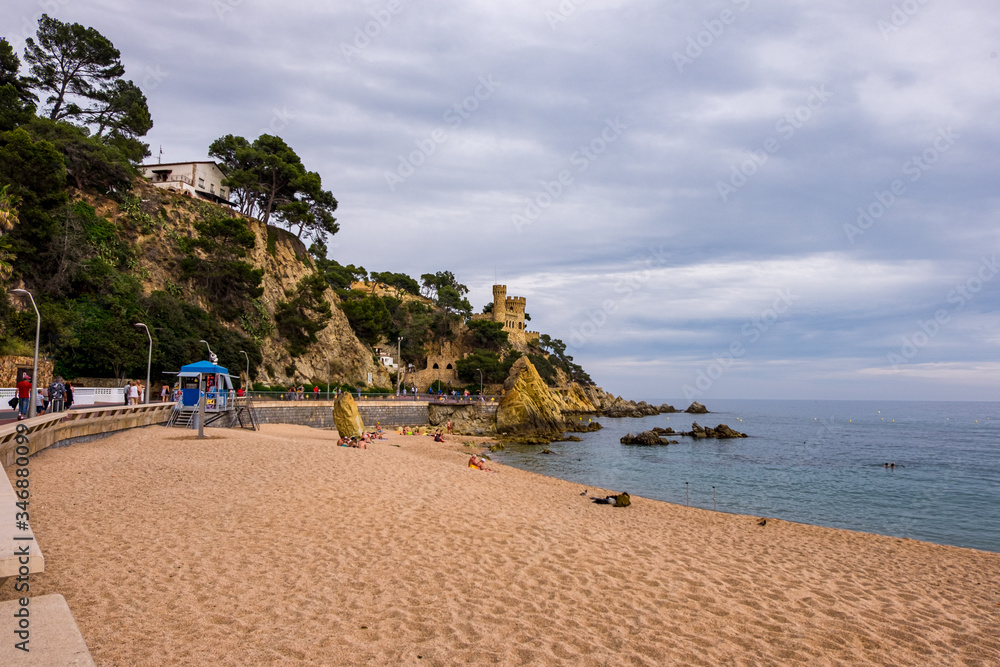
point(438, 437)
point(479, 463)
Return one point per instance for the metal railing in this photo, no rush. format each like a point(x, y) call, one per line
point(373, 396)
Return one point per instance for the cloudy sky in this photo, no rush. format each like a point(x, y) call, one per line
point(732, 198)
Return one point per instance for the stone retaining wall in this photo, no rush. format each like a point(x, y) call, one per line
point(319, 414)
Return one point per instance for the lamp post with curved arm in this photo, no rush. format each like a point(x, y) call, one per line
point(32, 408)
point(211, 355)
point(149, 360)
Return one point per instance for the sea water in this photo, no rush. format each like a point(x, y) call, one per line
point(817, 462)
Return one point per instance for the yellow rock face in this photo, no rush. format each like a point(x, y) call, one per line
point(528, 406)
point(347, 418)
point(576, 401)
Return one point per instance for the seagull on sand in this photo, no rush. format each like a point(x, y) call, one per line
point(762, 522)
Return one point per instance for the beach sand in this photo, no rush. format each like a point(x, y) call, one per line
point(278, 547)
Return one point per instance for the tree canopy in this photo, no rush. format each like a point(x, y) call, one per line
point(446, 291)
point(267, 178)
point(81, 71)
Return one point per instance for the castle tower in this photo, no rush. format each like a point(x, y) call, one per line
point(500, 303)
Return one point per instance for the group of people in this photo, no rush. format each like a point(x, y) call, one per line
point(362, 442)
point(301, 393)
point(57, 397)
point(134, 392)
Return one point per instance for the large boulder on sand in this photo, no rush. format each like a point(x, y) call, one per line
point(528, 410)
point(346, 417)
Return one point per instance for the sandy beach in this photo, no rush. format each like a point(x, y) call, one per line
point(278, 547)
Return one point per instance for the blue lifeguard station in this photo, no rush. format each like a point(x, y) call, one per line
point(220, 397)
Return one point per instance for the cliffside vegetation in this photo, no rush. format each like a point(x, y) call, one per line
point(101, 250)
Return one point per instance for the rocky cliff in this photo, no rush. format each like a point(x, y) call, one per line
point(284, 260)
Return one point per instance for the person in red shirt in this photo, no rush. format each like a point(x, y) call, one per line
point(23, 396)
point(316, 392)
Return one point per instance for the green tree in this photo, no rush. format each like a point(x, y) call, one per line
point(71, 61)
point(304, 315)
point(488, 335)
point(17, 102)
point(446, 291)
point(90, 162)
point(399, 281)
point(267, 178)
point(495, 368)
point(81, 71)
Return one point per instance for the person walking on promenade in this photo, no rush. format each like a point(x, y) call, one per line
point(23, 397)
point(133, 393)
point(39, 403)
point(164, 392)
point(69, 395)
point(126, 391)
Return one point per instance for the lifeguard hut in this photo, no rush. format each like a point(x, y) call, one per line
point(221, 403)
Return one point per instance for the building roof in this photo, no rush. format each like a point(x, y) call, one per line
point(174, 164)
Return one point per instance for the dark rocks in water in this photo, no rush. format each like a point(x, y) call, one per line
point(721, 432)
point(696, 408)
point(663, 431)
point(547, 451)
point(571, 438)
point(583, 427)
point(666, 408)
point(644, 438)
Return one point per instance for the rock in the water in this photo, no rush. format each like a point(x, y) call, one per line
point(644, 438)
point(721, 432)
point(666, 408)
point(697, 408)
point(528, 411)
point(346, 417)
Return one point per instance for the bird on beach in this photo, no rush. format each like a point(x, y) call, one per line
point(584, 492)
point(762, 522)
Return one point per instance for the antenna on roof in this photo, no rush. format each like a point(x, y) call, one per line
point(159, 159)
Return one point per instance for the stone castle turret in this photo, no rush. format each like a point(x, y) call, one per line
point(509, 311)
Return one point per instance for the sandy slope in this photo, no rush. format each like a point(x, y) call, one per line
point(280, 548)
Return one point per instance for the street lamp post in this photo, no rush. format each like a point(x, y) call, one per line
point(32, 408)
point(480, 381)
point(248, 370)
point(149, 360)
point(399, 364)
point(328, 379)
point(211, 355)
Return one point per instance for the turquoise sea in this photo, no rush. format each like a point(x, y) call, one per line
point(817, 462)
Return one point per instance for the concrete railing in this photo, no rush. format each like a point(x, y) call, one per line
point(50, 429)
